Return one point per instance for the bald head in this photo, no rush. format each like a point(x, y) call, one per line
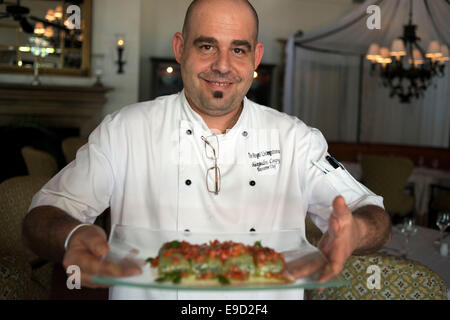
point(188, 20)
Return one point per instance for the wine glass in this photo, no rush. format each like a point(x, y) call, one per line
point(442, 221)
point(408, 229)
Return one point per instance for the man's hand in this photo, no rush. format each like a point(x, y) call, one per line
point(86, 247)
point(340, 240)
point(336, 245)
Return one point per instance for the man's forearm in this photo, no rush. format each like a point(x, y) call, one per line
point(45, 229)
point(374, 225)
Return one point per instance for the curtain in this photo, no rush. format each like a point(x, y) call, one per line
point(424, 122)
point(322, 88)
point(326, 93)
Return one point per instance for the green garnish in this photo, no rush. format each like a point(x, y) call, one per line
point(175, 244)
point(175, 277)
point(258, 244)
point(162, 279)
point(150, 260)
point(223, 280)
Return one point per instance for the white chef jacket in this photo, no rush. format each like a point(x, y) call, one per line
point(147, 162)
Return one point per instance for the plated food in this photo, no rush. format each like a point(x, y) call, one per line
point(218, 262)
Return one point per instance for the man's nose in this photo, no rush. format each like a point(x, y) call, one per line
point(222, 63)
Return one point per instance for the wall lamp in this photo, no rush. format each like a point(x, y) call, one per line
point(120, 41)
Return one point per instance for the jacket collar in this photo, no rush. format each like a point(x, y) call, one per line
point(188, 115)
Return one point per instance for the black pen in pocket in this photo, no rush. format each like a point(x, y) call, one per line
point(323, 169)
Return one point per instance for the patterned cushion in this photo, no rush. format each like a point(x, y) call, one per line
point(401, 279)
point(14, 278)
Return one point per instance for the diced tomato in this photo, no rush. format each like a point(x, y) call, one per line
point(167, 253)
point(261, 256)
point(206, 275)
point(155, 262)
point(277, 275)
point(200, 258)
point(175, 260)
point(238, 275)
point(224, 255)
point(212, 254)
point(215, 242)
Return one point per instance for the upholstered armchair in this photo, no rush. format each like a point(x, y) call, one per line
point(22, 274)
point(39, 163)
point(400, 279)
point(388, 176)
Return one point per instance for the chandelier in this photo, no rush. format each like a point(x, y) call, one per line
point(406, 69)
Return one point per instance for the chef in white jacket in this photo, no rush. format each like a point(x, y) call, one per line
point(205, 160)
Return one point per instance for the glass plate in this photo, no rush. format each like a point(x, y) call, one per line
point(131, 246)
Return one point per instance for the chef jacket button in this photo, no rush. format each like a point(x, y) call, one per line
point(252, 230)
point(188, 182)
point(252, 183)
point(187, 230)
point(244, 133)
point(188, 132)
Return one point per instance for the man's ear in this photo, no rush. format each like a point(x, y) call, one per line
point(178, 46)
point(259, 52)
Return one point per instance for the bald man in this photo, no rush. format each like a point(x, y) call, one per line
point(205, 160)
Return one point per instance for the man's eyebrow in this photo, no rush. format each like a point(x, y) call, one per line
point(211, 40)
point(240, 43)
point(200, 40)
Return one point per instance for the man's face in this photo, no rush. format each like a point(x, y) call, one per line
point(218, 56)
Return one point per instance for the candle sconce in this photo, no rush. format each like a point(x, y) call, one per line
point(120, 41)
point(98, 60)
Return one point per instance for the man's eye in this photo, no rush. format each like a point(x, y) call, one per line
point(206, 47)
point(238, 51)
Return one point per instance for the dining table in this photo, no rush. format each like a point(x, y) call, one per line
point(424, 248)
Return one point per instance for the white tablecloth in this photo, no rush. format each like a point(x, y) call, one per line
point(422, 178)
point(423, 250)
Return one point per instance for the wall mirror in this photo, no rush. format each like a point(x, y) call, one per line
point(54, 35)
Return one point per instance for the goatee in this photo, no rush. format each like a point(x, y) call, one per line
point(218, 94)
